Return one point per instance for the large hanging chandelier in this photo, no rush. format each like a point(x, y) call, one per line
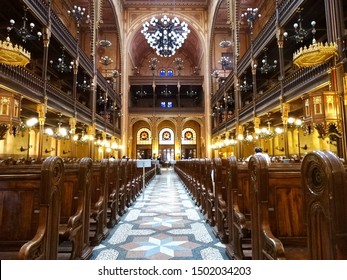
point(165, 35)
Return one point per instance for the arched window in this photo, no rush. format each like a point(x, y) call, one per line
point(170, 72)
point(166, 136)
point(162, 72)
point(144, 136)
point(188, 136)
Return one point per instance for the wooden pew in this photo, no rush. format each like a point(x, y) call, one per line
point(149, 174)
point(232, 191)
point(324, 180)
point(98, 204)
point(74, 228)
point(240, 211)
point(278, 228)
point(208, 196)
point(113, 194)
point(203, 179)
point(221, 188)
point(122, 187)
point(132, 183)
point(30, 204)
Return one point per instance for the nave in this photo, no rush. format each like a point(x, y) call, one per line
point(163, 224)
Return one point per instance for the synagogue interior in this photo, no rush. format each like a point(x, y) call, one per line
point(91, 89)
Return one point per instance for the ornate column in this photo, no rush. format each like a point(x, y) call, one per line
point(72, 122)
point(91, 132)
point(285, 113)
point(41, 110)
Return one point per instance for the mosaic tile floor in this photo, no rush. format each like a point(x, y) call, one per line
point(162, 224)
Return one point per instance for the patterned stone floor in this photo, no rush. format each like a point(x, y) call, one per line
point(162, 224)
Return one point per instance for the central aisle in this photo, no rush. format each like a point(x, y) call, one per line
point(162, 224)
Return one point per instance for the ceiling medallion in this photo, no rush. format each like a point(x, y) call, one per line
point(315, 54)
point(165, 35)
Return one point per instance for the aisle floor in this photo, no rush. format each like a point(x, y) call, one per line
point(162, 224)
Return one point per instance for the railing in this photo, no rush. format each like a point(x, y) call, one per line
point(22, 78)
point(303, 77)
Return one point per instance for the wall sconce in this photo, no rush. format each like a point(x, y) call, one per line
point(48, 151)
point(304, 147)
point(22, 149)
point(66, 152)
point(280, 149)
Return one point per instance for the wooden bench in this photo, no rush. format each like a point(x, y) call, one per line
point(208, 195)
point(98, 203)
point(240, 211)
point(221, 188)
point(30, 206)
point(278, 229)
point(113, 193)
point(74, 228)
point(231, 193)
point(122, 187)
point(203, 183)
point(324, 180)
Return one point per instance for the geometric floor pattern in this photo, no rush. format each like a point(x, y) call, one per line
point(162, 224)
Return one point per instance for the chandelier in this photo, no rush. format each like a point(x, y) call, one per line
point(192, 93)
point(215, 74)
point(300, 33)
point(153, 64)
point(251, 15)
point(225, 62)
point(166, 92)
point(84, 86)
point(78, 13)
point(62, 66)
point(165, 35)
point(267, 132)
point(141, 93)
point(244, 86)
point(59, 133)
point(225, 44)
point(23, 32)
point(266, 67)
point(106, 60)
point(179, 64)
